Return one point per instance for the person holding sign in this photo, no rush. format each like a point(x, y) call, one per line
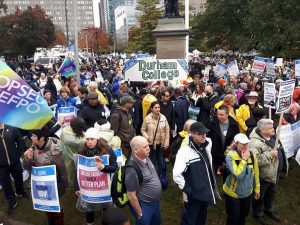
point(245, 111)
point(45, 151)
point(96, 146)
point(65, 100)
point(271, 163)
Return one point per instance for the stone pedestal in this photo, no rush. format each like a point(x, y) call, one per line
point(170, 35)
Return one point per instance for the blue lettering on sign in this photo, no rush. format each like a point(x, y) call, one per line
point(43, 171)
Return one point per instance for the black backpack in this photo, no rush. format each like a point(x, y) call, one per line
point(118, 188)
point(174, 149)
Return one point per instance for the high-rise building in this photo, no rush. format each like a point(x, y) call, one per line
point(103, 15)
point(197, 6)
point(58, 11)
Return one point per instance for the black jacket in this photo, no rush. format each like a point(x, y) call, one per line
point(91, 114)
point(181, 107)
point(11, 146)
point(138, 115)
point(206, 104)
point(168, 111)
point(214, 134)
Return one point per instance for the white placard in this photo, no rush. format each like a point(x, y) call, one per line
point(269, 95)
point(285, 95)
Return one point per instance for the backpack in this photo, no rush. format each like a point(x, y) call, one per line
point(174, 149)
point(118, 188)
point(225, 170)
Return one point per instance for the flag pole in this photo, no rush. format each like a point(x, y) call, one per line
point(76, 41)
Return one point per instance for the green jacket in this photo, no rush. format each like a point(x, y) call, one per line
point(268, 165)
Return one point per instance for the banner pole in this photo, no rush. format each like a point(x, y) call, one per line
point(270, 112)
point(278, 131)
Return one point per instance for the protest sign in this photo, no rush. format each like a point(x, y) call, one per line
point(120, 157)
point(269, 95)
point(153, 70)
point(289, 138)
point(233, 68)
point(298, 157)
point(297, 68)
point(44, 189)
point(94, 184)
point(284, 101)
point(67, 68)
point(259, 64)
point(220, 69)
point(279, 62)
point(66, 115)
point(270, 68)
point(20, 105)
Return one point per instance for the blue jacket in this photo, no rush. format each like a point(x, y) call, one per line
point(181, 107)
point(115, 87)
point(65, 103)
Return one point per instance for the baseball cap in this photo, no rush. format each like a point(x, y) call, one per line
point(92, 133)
point(199, 128)
point(241, 138)
point(253, 94)
point(126, 99)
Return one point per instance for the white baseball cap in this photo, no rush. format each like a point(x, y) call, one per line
point(241, 138)
point(92, 133)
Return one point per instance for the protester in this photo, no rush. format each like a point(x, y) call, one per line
point(271, 163)
point(48, 98)
point(245, 173)
point(181, 106)
point(45, 151)
point(50, 85)
point(138, 110)
point(93, 88)
point(11, 148)
point(145, 198)
point(293, 115)
point(194, 160)
point(65, 101)
point(96, 146)
point(229, 100)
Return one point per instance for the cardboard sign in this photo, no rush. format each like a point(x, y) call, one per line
point(233, 68)
point(259, 65)
point(269, 95)
point(44, 189)
point(154, 70)
point(66, 115)
point(285, 96)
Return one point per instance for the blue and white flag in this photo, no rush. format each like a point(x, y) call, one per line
point(220, 69)
point(44, 189)
point(67, 68)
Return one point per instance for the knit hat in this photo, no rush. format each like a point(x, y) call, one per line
point(92, 133)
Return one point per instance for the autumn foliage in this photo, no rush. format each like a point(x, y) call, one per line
point(95, 38)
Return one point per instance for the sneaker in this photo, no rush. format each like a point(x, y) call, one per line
point(273, 215)
point(11, 209)
point(260, 220)
point(22, 196)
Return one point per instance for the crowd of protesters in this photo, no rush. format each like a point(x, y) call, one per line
point(220, 123)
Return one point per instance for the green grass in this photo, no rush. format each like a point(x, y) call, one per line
point(287, 204)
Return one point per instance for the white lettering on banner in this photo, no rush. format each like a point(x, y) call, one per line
point(22, 95)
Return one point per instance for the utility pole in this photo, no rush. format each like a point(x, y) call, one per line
point(67, 26)
point(97, 48)
point(76, 40)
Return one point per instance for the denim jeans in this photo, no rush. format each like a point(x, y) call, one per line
point(151, 213)
point(157, 158)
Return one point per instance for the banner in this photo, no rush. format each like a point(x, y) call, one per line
point(285, 95)
point(279, 62)
point(120, 158)
point(297, 68)
point(269, 95)
point(220, 69)
point(289, 138)
point(94, 184)
point(66, 115)
point(259, 65)
point(67, 68)
point(233, 68)
point(153, 70)
point(44, 189)
point(20, 105)
point(270, 68)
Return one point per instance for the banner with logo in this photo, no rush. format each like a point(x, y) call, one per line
point(259, 64)
point(289, 138)
point(220, 69)
point(269, 95)
point(233, 68)
point(67, 68)
point(270, 68)
point(94, 184)
point(44, 189)
point(297, 68)
point(285, 95)
point(154, 70)
point(20, 105)
point(66, 115)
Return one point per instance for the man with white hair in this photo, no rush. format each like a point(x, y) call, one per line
point(271, 163)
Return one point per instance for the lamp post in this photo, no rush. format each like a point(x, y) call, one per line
point(97, 46)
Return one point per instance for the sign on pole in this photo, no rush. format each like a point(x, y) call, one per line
point(154, 70)
point(285, 95)
point(270, 68)
point(259, 65)
point(94, 184)
point(44, 189)
point(220, 69)
point(269, 95)
point(233, 68)
point(297, 68)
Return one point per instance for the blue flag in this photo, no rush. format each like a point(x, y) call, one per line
point(67, 68)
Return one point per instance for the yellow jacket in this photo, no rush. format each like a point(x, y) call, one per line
point(101, 96)
point(231, 109)
point(242, 114)
point(146, 103)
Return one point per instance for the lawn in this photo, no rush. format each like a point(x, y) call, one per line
point(287, 204)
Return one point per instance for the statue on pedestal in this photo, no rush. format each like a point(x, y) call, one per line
point(171, 8)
